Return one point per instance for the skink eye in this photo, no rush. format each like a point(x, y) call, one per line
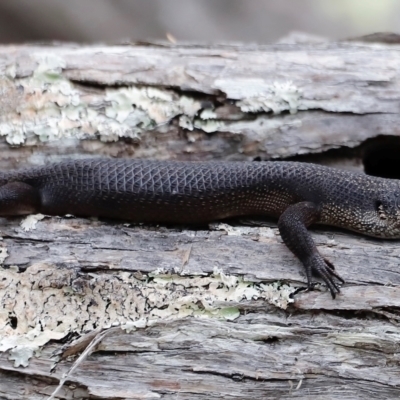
point(388, 203)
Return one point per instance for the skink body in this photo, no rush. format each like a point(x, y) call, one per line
point(297, 194)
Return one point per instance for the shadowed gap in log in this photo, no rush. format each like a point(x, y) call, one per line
point(379, 156)
point(382, 157)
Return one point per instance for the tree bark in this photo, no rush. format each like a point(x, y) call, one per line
point(204, 312)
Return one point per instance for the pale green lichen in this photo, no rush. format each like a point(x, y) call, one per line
point(208, 126)
point(22, 347)
point(154, 105)
point(49, 306)
point(208, 114)
point(279, 97)
point(51, 107)
point(54, 108)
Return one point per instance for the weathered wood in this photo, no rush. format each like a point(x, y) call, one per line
point(206, 312)
point(85, 279)
point(197, 102)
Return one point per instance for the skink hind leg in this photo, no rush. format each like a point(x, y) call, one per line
point(293, 225)
point(18, 198)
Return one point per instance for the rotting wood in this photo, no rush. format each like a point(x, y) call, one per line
point(194, 336)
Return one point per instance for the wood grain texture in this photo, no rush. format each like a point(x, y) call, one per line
point(348, 345)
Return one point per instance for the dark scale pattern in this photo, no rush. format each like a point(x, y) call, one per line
point(156, 191)
point(198, 192)
point(183, 192)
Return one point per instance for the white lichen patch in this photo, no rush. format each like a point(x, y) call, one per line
point(23, 347)
point(230, 230)
point(278, 97)
point(148, 107)
point(280, 295)
point(209, 125)
point(3, 254)
point(52, 107)
point(29, 223)
point(44, 303)
point(208, 114)
point(47, 106)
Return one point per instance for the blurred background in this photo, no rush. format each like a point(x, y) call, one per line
point(262, 21)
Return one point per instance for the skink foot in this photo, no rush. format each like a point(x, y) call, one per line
point(323, 268)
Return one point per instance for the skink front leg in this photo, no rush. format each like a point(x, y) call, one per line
point(18, 198)
point(293, 225)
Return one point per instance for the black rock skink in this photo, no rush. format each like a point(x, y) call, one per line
point(297, 194)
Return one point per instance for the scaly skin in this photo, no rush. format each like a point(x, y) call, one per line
point(184, 192)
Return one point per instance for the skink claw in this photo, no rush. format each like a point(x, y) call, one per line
point(323, 268)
